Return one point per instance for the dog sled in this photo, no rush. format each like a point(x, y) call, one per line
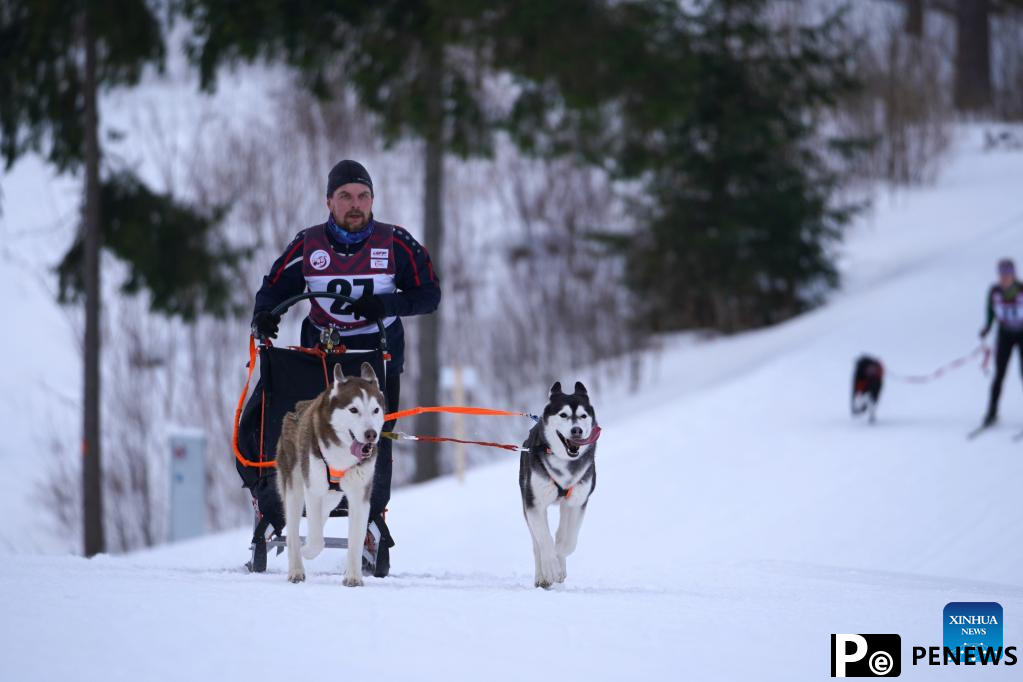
point(287, 376)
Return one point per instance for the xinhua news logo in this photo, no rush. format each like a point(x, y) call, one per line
point(971, 635)
point(972, 627)
point(866, 655)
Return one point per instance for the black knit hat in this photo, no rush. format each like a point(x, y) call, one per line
point(347, 171)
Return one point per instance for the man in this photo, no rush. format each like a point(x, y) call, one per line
point(381, 266)
point(1004, 303)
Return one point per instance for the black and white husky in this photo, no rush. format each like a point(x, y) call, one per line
point(558, 467)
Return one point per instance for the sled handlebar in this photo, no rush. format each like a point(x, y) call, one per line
point(284, 305)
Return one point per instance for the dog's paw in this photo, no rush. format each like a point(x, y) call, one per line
point(312, 550)
point(296, 575)
point(352, 580)
point(551, 570)
point(543, 582)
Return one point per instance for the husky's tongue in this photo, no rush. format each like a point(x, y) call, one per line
point(361, 450)
point(589, 440)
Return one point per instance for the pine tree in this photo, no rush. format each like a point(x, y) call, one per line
point(743, 184)
point(55, 58)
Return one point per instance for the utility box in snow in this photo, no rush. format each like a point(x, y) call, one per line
point(187, 484)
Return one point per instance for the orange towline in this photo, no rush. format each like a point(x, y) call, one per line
point(455, 409)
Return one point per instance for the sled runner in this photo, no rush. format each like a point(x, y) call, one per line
point(287, 376)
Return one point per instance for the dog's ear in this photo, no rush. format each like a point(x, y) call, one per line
point(579, 388)
point(556, 388)
point(368, 374)
point(339, 378)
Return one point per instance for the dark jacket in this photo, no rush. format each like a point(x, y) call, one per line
point(418, 289)
point(1001, 304)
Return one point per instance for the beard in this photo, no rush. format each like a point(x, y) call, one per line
point(354, 221)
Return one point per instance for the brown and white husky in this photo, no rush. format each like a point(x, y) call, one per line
point(330, 439)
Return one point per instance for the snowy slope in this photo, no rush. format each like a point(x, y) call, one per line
point(740, 517)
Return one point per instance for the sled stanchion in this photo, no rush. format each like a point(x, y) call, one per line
point(255, 431)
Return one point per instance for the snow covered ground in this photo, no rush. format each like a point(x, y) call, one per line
point(740, 516)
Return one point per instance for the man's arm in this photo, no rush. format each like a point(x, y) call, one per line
point(419, 287)
point(285, 278)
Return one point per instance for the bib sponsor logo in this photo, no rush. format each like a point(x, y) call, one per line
point(320, 259)
point(374, 263)
point(378, 253)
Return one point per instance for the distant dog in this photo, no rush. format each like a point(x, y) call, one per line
point(868, 378)
point(328, 447)
point(558, 467)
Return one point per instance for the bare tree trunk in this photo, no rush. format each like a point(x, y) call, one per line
point(428, 454)
point(915, 18)
point(92, 479)
point(973, 55)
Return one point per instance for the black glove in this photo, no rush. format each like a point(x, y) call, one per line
point(264, 324)
point(369, 307)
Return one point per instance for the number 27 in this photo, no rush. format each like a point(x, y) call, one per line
point(344, 287)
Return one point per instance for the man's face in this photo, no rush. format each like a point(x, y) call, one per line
point(1006, 279)
point(351, 205)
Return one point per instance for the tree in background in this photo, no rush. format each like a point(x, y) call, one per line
point(713, 119)
point(973, 91)
point(744, 184)
point(55, 58)
point(905, 105)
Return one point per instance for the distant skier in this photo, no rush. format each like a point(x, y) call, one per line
point(1004, 303)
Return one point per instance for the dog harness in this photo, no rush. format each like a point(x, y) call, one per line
point(334, 476)
point(562, 492)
